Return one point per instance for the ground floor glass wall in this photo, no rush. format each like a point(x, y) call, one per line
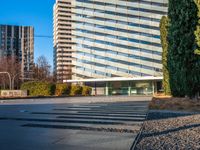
point(125, 87)
point(130, 88)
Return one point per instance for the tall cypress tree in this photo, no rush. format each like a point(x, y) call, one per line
point(197, 32)
point(163, 32)
point(183, 64)
point(197, 50)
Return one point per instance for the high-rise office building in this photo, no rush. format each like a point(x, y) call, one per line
point(18, 41)
point(62, 39)
point(118, 38)
point(118, 44)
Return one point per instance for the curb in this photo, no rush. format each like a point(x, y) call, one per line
point(38, 97)
point(139, 134)
point(44, 97)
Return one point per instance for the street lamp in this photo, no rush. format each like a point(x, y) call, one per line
point(13, 80)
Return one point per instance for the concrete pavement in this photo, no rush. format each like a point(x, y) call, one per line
point(90, 123)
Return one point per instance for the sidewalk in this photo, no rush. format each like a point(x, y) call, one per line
point(60, 100)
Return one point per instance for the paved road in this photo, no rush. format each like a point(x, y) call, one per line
point(101, 124)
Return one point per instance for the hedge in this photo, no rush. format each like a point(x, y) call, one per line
point(76, 90)
point(62, 89)
point(48, 89)
point(86, 90)
point(38, 88)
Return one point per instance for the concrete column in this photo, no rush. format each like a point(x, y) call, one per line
point(129, 89)
point(107, 89)
point(95, 89)
point(153, 86)
point(156, 90)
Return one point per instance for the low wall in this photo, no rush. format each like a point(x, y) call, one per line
point(13, 93)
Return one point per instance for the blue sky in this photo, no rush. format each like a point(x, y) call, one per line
point(36, 13)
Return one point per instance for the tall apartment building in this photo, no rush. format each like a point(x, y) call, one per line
point(62, 40)
point(118, 38)
point(118, 48)
point(18, 41)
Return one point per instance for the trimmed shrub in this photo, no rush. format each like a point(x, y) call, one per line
point(86, 91)
point(164, 23)
point(38, 88)
point(62, 89)
point(76, 90)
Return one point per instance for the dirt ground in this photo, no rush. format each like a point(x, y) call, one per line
point(174, 103)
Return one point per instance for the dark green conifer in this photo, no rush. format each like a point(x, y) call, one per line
point(183, 63)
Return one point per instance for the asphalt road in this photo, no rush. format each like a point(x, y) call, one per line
point(87, 124)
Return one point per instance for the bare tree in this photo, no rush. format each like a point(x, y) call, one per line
point(42, 70)
point(11, 65)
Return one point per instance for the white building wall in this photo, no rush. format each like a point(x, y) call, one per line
point(117, 38)
point(62, 39)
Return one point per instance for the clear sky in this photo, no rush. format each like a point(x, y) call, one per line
point(36, 13)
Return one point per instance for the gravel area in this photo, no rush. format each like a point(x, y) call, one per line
point(170, 130)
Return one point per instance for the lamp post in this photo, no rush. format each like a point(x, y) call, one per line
point(13, 80)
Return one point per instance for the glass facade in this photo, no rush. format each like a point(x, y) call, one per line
point(117, 38)
point(109, 88)
point(130, 88)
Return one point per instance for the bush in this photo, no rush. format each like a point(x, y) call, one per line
point(38, 88)
point(76, 90)
point(62, 89)
point(86, 91)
